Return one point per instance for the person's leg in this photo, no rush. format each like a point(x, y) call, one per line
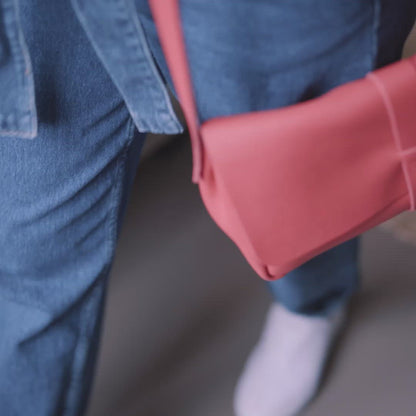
point(327, 281)
point(246, 56)
point(321, 285)
point(284, 370)
point(62, 199)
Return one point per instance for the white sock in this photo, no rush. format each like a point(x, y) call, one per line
point(283, 371)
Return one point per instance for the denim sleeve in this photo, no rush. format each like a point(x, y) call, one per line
point(116, 34)
point(17, 99)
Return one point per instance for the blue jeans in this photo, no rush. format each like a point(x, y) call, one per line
point(63, 197)
point(313, 47)
point(327, 281)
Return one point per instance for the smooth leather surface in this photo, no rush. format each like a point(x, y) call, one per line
point(288, 184)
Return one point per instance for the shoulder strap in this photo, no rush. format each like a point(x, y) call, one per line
point(166, 14)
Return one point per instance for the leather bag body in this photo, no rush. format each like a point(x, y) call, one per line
point(290, 183)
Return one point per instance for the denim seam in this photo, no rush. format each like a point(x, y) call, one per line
point(71, 384)
point(112, 222)
point(145, 78)
point(171, 119)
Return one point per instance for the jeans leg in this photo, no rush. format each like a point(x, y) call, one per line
point(56, 252)
point(321, 284)
point(328, 280)
point(62, 201)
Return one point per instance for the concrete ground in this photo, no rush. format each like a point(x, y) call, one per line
point(184, 309)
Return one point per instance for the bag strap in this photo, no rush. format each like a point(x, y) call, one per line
point(166, 14)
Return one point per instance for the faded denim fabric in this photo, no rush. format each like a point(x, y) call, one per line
point(117, 34)
point(98, 82)
point(62, 198)
point(17, 98)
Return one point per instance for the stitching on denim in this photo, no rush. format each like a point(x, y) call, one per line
point(143, 124)
point(129, 9)
point(16, 133)
point(117, 188)
point(146, 49)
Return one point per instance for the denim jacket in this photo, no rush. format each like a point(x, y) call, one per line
point(116, 32)
point(259, 55)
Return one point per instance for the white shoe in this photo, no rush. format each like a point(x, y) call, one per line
point(283, 372)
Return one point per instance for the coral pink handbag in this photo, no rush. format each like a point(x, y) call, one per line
point(288, 184)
